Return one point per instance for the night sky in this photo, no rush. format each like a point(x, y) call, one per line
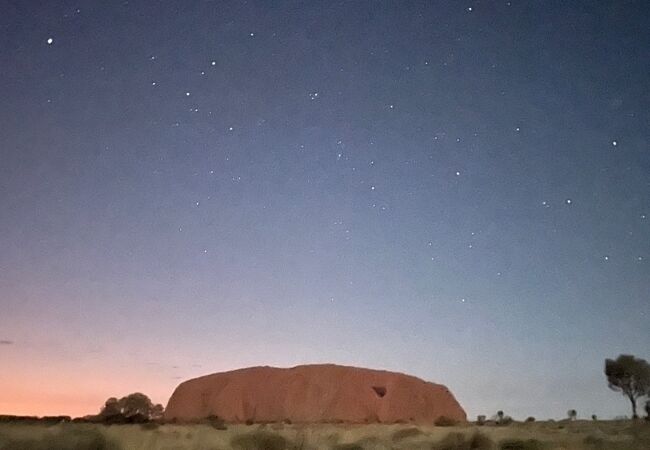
point(455, 190)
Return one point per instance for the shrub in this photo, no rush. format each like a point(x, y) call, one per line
point(258, 440)
point(53, 420)
point(480, 420)
point(594, 442)
point(351, 446)
point(507, 420)
point(136, 404)
point(406, 433)
point(10, 418)
point(216, 422)
point(520, 444)
point(88, 439)
point(529, 419)
point(459, 441)
point(444, 421)
point(479, 441)
point(594, 417)
point(150, 426)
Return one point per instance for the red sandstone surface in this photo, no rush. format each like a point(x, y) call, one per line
point(313, 393)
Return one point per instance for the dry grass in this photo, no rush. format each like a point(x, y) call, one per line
point(578, 435)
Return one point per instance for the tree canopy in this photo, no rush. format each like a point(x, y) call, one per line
point(630, 376)
point(136, 406)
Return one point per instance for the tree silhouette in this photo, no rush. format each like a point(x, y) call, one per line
point(136, 406)
point(110, 409)
point(629, 376)
point(572, 413)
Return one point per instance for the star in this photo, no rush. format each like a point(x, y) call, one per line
point(50, 41)
point(614, 143)
point(568, 201)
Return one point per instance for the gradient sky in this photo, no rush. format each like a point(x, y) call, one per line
point(455, 190)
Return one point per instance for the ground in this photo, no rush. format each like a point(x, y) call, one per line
point(539, 435)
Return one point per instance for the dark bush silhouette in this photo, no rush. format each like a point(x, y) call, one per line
point(134, 408)
point(444, 421)
point(55, 419)
point(216, 422)
point(594, 417)
point(9, 418)
point(480, 420)
point(629, 376)
point(572, 414)
point(529, 419)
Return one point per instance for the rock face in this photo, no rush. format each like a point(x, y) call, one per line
point(312, 393)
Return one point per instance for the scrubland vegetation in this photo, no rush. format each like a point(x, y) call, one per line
point(566, 434)
point(134, 422)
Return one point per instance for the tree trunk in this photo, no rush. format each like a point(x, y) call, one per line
point(633, 401)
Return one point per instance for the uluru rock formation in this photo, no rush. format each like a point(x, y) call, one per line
point(312, 393)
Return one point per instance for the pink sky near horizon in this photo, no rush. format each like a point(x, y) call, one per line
point(73, 393)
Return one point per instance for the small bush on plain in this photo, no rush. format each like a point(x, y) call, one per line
point(594, 442)
point(260, 440)
point(521, 444)
point(352, 446)
point(459, 441)
point(444, 421)
point(406, 433)
point(216, 422)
